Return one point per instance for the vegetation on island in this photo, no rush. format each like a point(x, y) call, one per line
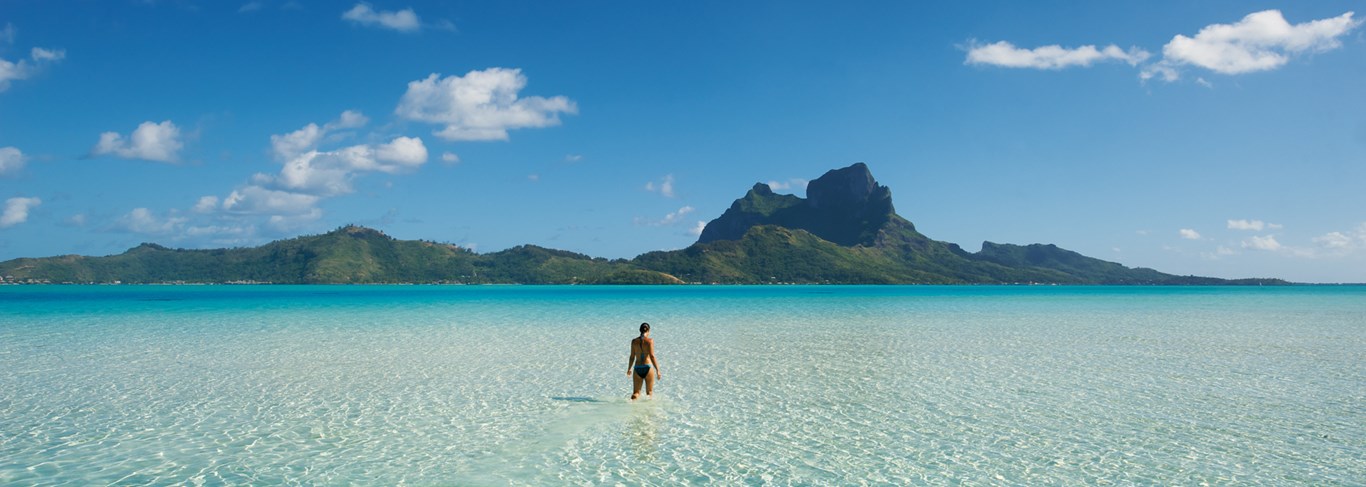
point(845, 232)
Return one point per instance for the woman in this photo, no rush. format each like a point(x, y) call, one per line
point(642, 363)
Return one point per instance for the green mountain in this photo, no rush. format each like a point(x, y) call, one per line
point(845, 231)
point(349, 254)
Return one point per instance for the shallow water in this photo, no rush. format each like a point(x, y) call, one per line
point(830, 385)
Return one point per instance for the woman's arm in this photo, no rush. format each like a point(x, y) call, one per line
point(654, 360)
point(631, 359)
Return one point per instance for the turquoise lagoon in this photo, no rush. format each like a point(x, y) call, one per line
point(826, 385)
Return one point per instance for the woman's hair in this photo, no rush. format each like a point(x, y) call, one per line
point(644, 327)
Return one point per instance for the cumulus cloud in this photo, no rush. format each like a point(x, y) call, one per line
point(1254, 225)
point(697, 229)
point(1341, 243)
point(257, 200)
point(1189, 234)
point(291, 145)
point(142, 220)
point(450, 158)
point(1267, 242)
point(309, 174)
point(481, 105)
point(1334, 240)
point(1261, 41)
point(349, 119)
point(401, 20)
point(283, 202)
point(150, 141)
point(16, 211)
point(329, 173)
point(1005, 54)
point(673, 218)
point(400, 153)
point(25, 68)
point(11, 160)
point(794, 183)
point(665, 186)
point(206, 204)
point(676, 216)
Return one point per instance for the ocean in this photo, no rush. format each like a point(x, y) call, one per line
point(762, 385)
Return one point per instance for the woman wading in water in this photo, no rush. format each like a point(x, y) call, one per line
point(642, 365)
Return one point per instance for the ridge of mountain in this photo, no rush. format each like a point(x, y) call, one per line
point(846, 231)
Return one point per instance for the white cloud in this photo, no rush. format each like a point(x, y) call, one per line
point(1254, 225)
point(1262, 243)
point(142, 220)
point(404, 152)
point(77, 220)
point(533, 177)
point(665, 186)
point(291, 145)
point(7, 34)
point(697, 229)
point(256, 200)
point(249, 7)
point(348, 119)
point(1261, 41)
point(676, 216)
point(16, 211)
point(11, 160)
point(673, 218)
point(1204, 83)
point(1005, 54)
point(206, 204)
point(40, 54)
point(329, 173)
point(1334, 240)
point(289, 223)
point(1342, 243)
point(794, 183)
point(573, 157)
point(450, 158)
point(1219, 253)
point(481, 105)
point(1189, 234)
point(1159, 70)
point(24, 68)
point(402, 20)
point(150, 141)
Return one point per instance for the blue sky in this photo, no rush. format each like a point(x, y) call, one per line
point(1211, 138)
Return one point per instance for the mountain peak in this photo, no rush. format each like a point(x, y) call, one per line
point(853, 185)
point(845, 206)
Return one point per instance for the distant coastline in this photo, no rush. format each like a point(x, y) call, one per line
point(846, 231)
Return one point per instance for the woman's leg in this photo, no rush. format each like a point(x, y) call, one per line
point(635, 388)
point(649, 383)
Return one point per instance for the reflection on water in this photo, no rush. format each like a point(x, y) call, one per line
point(642, 430)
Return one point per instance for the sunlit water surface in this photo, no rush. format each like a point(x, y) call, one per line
point(762, 385)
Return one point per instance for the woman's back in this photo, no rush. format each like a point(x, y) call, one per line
point(643, 348)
